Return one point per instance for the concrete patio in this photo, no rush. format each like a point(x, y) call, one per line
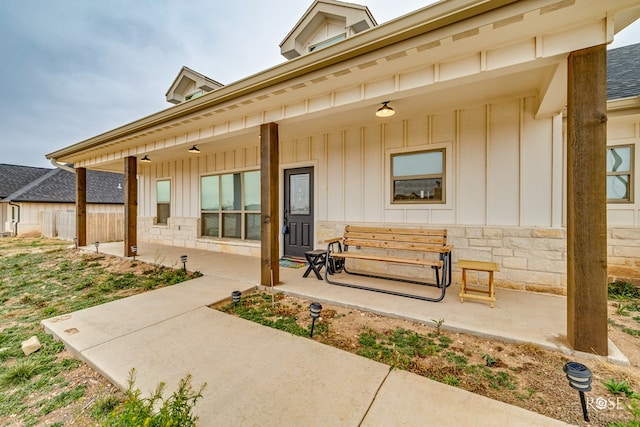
point(257, 375)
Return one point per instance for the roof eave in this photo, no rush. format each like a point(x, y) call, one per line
point(428, 19)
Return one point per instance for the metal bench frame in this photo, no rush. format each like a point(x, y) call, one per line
point(337, 264)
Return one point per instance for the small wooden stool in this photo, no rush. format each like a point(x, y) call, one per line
point(489, 267)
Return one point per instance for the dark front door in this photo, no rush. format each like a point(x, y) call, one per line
point(298, 211)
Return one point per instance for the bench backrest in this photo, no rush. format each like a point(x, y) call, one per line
point(397, 238)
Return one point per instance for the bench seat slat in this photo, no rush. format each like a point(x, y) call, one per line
point(374, 257)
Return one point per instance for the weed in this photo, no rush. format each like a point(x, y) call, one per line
point(176, 410)
point(458, 360)
point(63, 399)
point(619, 387)
point(438, 323)
point(490, 361)
point(623, 290)
point(19, 373)
point(451, 380)
point(633, 408)
point(632, 332)
point(622, 310)
point(105, 406)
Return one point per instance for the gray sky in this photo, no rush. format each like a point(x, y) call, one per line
point(73, 69)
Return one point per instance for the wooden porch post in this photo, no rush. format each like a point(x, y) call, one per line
point(130, 204)
point(587, 201)
point(81, 206)
point(269, 174)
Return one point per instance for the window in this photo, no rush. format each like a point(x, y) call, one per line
point(619, 173)
point(230, 205)
point(163, 201)
point(327, 43)
point(418, 177)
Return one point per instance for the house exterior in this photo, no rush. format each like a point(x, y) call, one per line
point(32, 199)
point(481, 143)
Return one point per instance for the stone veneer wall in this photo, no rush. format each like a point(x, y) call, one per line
point(184, 232)
point(530, 258)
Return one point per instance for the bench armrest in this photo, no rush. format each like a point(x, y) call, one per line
point(333, 240)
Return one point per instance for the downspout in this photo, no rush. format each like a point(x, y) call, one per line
point(15, 224)
point(62, 166)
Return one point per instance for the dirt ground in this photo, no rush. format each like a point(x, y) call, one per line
point(541, 385)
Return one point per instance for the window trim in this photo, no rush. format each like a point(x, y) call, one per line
point(449, 180)
point(630, 173)
point(221, 212)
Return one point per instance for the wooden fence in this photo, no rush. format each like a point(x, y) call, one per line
point(101, 227)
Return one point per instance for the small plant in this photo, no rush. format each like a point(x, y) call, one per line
point(633, 408)
point(623, 290)
point(19, 373)
point(174, 411)
point(622, 309)
point(438, 323)
point(619, 387)
point(490, 361)
point(451, 380)
point(105, 405)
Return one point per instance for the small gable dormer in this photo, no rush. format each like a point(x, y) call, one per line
point(189, 85)
point(325, 23)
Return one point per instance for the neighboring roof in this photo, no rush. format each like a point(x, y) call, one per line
point(14, 177)
point(623, 72)
point(59, 186)
point(187, 82)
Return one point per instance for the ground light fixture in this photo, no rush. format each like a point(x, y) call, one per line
point(134, 249)
point(183, 259)
point(385, 110)
point(96, 244)
point(145, 159)
point(194, 150)
point(314, 311)
point(579, 377)
point(235, 297)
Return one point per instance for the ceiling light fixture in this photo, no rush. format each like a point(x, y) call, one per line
point(385, 110)
point(194, 149)
point(145, 159)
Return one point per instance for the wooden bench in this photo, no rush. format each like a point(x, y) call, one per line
point(410, 246)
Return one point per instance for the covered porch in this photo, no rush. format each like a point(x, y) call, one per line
point(518, 316)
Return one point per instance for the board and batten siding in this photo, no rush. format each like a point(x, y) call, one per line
point(505, 187)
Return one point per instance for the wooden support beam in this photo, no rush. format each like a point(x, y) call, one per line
point(269, 183)
point(81, 206)
point(587, 201)
point(130, 204)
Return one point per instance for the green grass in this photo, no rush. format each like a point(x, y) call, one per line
point(49, 282)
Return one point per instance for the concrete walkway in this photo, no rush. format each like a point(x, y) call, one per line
point(260, 376)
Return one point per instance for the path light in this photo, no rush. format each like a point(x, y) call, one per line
point(96, 245)
point(134, 249)
point(75, 242)
point(314, 310)
point(235, 297)
point(183, 259)
point(579, 377)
